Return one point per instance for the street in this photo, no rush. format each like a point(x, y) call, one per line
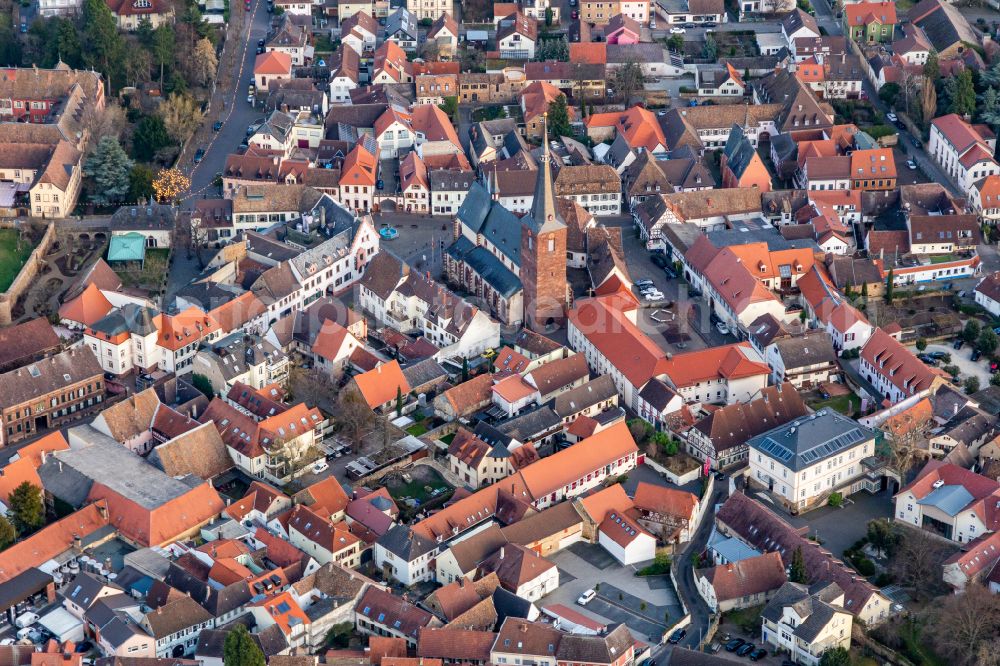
point(229, 106)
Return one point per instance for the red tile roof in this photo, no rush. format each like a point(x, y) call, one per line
point(735, 361)
point(896, 363)
point(382, 384)
point(273, 62)
point(665, 501)
point(52, 540)
point(88, 308)
point(603, 321)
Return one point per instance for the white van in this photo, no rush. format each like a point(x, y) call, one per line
point(26, 620)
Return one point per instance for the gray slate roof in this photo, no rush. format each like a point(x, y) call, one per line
point(807, 441)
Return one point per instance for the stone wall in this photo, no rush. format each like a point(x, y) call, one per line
point(26, 278)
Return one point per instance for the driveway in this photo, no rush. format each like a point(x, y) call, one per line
point(838, 529)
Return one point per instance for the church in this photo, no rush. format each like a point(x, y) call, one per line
point(517, 266)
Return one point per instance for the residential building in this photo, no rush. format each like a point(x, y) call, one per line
point(950, 501)
point(516, 36)
point(382, 613)
point(756, 530)
point(806, 621)
point(720, 438)
point(870, 22)
point(962, 150)
point(428, 9)
point(596, 187)
point(49, 393)
point(893, 369)
point(742, 167)
point(806, 360)
point(129, 14)
point(803, 462)
point(987, 294)
point(271, 66)
point(742, 584)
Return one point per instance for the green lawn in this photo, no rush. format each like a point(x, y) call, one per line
point(942, 258)
point(447, 438)
point(417, 429)
point(12, 256)
point(845, 404)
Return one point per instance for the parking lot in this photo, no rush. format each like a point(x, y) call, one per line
point(961, 359)
point(646, 605)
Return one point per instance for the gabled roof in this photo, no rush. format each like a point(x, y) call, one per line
point(866, 13)
point(896, 363)
point(730, 362)
point(754, 575)
point(273, 63)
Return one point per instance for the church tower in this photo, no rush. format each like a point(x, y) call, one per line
point(543, 252)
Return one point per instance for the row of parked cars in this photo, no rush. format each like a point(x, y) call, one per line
point(744, 648)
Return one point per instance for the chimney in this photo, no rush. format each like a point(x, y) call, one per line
point(501, 552)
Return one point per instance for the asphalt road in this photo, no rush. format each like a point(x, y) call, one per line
point(236, 114)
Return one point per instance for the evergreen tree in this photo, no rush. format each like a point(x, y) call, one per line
point(140, 183)
point(559, 118)
point(932, 68)
point(888, 286)
point(399, 401)
point(971, 331)
point(465, 369)
point(964, 101)
point(797, 573)
point(27, 511)
point(150, 136)
point(837, 656)
point(163, 47)
point(110, 168)
point(10, 45)
point(241, 650)
point(104, 47)
point(144, 32)
point(8, 535)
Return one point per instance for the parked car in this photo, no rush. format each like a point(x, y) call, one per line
point(320, 466)
point(891, 117)
point(722, 328)
point(25, 620)
point(199, 155)
point(759, 653)
point(937, 354)
point(677, 636)
point(958, 343)
point(927, 359)
point(217, 126)
point(976, 355)
point(911, 165)
point(643, 283)
point(720, 476)
point(574, 15)
point(745, 650)
point(735, 644)
point(586, 597)
point(659, 259)
point(260, 42)
point(994, 367)
point(670, 273)
point(677, 30)
point(652, 296)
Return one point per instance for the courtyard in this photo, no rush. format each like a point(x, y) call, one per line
point(646, 605)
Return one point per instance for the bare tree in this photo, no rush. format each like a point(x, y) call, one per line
point(312, 386)
point(629, 79)
point(918, 560)
point(355, 417)
point(906, 439)
point(964, 624)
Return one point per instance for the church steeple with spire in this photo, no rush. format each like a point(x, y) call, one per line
point(543, 252)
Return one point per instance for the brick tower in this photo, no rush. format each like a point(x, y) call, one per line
point(543, 253)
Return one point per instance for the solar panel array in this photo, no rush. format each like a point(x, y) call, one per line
point(832, 446)
point(775, 450)
point(784, 443)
